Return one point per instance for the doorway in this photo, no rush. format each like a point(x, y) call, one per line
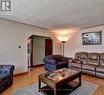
point(38, 47)
point(48, 47)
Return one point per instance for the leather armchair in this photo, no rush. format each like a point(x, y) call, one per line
point(54, 62)
point(6, 76)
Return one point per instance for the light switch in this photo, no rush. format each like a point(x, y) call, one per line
point(19, 46)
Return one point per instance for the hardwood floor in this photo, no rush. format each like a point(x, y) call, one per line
point(32, 77)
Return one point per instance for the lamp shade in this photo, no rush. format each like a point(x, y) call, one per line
point(62, 38)
point(64, 35)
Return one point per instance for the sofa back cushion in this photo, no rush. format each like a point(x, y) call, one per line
point(82, 56)
point(57, 57)
point(93, 59)
point(49, 57)
point(102, 59)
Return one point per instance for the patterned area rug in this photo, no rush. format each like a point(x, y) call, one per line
point(85, 89)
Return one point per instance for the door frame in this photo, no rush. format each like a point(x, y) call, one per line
point(31, 51)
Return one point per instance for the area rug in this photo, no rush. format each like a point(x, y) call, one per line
point(85, 89)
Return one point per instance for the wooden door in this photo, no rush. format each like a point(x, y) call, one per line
point(48, 47)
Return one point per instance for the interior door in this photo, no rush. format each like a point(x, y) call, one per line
point(48, 47)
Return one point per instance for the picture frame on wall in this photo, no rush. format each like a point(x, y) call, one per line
point(92, 38)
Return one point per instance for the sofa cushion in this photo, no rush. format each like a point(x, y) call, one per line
point(100, 69)
point(76, 65)
point(88, 67)
point(58, 57)
point(93, 59)
point(82, 56)
point(102, 62)
point(101, 75)
point(88, 72)
point(102, 59)
point(102, 56)
point(92, 62)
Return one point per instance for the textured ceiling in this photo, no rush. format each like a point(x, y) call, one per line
point(57, 13)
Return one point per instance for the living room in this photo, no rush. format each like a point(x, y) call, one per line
point(68, 18)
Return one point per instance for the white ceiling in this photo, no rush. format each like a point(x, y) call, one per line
point(57, 13)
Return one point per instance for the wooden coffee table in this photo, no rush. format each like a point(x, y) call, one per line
point(59, 82)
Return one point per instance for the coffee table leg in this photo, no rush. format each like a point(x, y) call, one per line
point(55, 92)
point(39, 87)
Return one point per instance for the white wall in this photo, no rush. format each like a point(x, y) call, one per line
point(75, 43)
point(13, 34)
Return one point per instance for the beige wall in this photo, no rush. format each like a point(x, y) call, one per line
point(75, 43)
point(13, 34)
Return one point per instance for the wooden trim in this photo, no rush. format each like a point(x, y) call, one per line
point(31, 60)
point(18, 74)
point(38, 65)
point(32, 37)
point(47, 37)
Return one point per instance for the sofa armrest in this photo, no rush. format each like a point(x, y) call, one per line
point(63, 64)
point(6, 69)
point(69, 58)
point(4, 76)
point(50, 61)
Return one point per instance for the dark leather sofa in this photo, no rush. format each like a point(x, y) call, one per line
point(54, 62)
point(89, 63)
point(6, 76)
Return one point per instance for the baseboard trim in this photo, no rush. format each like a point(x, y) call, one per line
point(18, 74)
point(37, 65)
point(22, 73)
